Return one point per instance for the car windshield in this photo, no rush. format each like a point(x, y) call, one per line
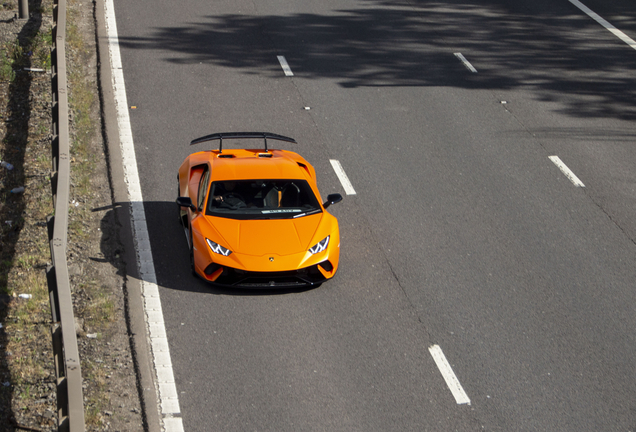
point(262, 199)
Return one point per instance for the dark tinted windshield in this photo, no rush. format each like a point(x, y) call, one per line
point(261, 199)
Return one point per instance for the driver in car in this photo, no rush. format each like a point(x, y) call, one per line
point(229, 198)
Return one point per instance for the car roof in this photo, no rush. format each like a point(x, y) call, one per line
point(243, 164)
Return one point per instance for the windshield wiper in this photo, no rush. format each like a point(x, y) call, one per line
point(308, 213)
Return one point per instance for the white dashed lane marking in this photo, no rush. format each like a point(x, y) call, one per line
point(565, 170)
point(285, 66)
point(616, 32)
point(449, 376)
point(470, 67)
point(342, 176)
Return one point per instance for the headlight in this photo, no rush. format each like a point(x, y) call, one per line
point(320, 246)
point(218, 249)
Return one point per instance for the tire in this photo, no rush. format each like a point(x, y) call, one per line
point(178, 195)
point(192, 267)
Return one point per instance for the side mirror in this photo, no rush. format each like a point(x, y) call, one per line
point(332, 199)
point(185, 202)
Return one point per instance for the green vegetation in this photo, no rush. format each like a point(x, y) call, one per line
point(6, 64)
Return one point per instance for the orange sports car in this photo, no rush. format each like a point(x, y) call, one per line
point(253, 218)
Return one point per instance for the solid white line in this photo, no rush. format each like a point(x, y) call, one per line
point(466, 62)
point(565, 170)
point(285, 66)
point(342, 176)
point(449, 376)
point(619, 34)
point(164, 381)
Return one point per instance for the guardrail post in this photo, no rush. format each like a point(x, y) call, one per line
point(23, 9)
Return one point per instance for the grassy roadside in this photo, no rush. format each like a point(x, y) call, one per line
point(27, 389)
point(27, 378)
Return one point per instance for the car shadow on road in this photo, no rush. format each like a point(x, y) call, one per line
point(169, 250)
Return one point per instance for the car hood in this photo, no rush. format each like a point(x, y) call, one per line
point(270, 236)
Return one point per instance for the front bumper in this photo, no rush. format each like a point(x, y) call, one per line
point(305, 277)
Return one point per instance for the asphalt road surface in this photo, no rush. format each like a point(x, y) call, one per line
point(462, 234)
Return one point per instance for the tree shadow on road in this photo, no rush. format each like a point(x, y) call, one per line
point(560, 55)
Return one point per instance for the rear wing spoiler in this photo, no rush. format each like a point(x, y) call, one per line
point(238, 135)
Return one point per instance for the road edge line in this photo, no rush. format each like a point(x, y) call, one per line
point(163, 380)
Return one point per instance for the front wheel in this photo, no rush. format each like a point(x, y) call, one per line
point(178, 195)
point(192, 267)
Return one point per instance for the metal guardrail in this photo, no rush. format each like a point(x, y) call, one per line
point(70, 399)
